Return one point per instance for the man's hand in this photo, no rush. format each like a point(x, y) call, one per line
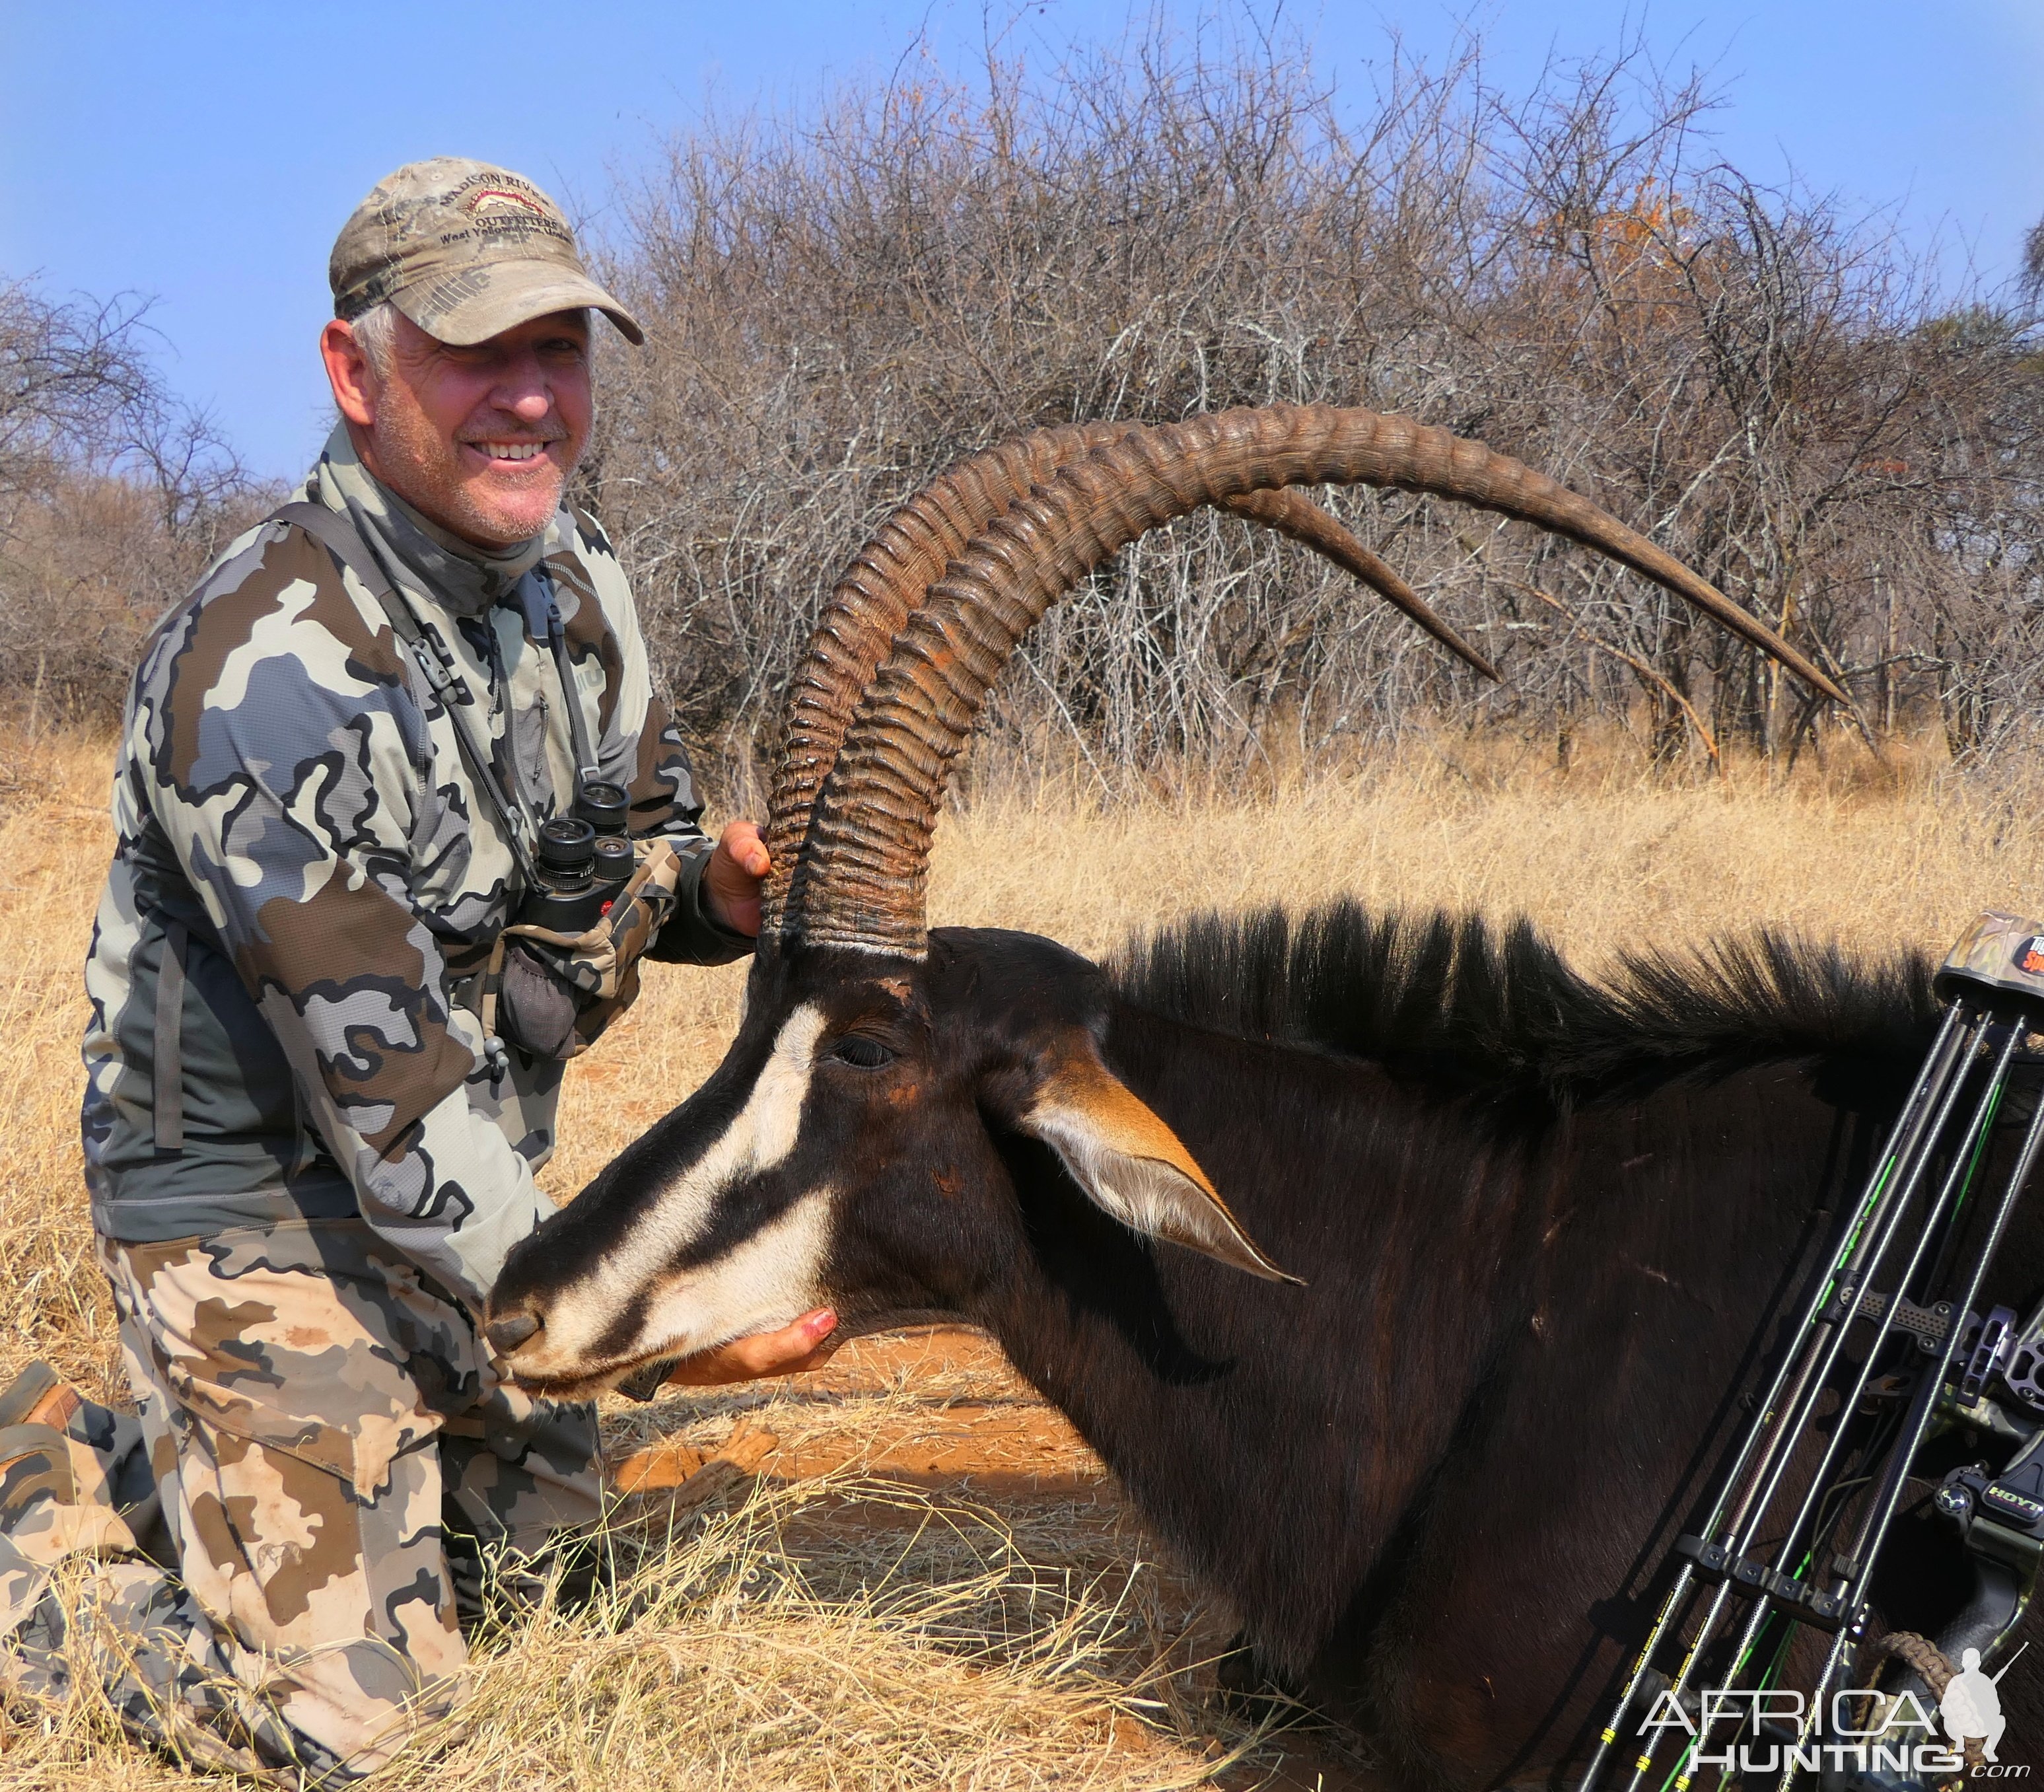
point(731, 886)
point(805, 1344)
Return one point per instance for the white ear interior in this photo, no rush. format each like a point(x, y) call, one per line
point(1145, 1193)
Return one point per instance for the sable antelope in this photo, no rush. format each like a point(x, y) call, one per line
point(1539, 1222)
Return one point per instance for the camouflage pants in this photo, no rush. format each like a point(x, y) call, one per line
point(324, 1480)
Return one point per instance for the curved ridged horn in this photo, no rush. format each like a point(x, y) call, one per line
point(1286, 513)
point(888, 579)
point(868, 850)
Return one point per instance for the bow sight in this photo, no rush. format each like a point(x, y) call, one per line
point(1903, 1280)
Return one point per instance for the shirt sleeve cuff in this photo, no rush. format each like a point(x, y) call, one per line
point(691, 935)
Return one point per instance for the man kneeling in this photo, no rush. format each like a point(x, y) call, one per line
point(409, 712)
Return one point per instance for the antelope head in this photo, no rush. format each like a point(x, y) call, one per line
point(872, 1137)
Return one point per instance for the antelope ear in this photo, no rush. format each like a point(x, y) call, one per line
point(1134, 1166)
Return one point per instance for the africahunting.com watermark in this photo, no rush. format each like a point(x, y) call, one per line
point(1740, 1731)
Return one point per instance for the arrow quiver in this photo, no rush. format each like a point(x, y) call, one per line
point(1785, 1550)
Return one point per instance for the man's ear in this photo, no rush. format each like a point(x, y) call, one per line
point(349, 373)
point(1133, 1165)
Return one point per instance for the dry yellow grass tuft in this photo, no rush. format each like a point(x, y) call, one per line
point(834, 1631)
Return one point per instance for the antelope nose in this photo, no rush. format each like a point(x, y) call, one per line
point(513, 1330)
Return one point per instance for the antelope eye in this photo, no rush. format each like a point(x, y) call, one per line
point(863, 1050)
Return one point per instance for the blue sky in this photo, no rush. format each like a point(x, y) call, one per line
point(205, 154)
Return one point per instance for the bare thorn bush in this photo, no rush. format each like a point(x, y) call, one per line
point(841, 303)
point(113, 496)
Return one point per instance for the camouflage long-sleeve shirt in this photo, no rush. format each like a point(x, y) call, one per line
point(304, 864)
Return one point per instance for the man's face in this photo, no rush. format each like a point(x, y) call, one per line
point(480, 439)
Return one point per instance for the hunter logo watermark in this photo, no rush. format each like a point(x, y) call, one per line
point(1746, 1732)
point(1972, 1705)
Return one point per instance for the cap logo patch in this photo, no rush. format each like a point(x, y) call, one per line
point(501, 202)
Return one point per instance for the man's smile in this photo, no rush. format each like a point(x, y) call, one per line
point(506, 455)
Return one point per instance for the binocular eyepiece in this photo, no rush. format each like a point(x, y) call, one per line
point(583, 863)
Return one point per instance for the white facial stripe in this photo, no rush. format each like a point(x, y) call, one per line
point(774, 1277)
point(761, 1134)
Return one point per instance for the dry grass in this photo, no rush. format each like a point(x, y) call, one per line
point(987, 1620)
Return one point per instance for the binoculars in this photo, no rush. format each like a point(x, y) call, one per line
point(583, 863)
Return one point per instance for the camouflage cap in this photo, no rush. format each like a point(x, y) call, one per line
point(465, 250)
